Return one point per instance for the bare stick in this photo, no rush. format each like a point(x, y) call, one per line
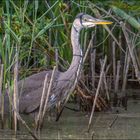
point(15, 94)
point(97, 92)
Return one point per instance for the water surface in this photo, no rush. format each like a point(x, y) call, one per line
point(73, 125)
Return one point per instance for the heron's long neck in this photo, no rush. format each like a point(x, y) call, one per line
point(77, 52)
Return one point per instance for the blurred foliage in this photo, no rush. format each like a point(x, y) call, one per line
point(127, 5)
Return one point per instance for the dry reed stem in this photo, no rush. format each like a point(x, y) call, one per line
point(132, 55)
point(117, 76)
point(137, 58)
point(98, 15)
point(15, 94)
point(42, 101)
point(97, 92)
point(92, 5)
point(109, 80)
point(46, 100)
point(1, 96)
point(125, 61)
point(102, 84)
point(114, 61)
point(105, 80)
point(106, 87)
point(126, 68)
point(88, 48)
point(48, 91)
point(93, 59)
point(84, 86)
point(19, 117)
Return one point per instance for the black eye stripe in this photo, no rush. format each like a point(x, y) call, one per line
point(81, 15)
point(81, 19)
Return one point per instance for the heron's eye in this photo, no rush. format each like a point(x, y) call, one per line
point(85, 19)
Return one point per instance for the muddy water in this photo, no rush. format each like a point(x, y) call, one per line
point(73, 125)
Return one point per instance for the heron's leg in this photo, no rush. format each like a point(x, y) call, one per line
point(58, 107)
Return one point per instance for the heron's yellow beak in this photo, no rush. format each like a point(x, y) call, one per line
point(102, 22)
point(91, 22)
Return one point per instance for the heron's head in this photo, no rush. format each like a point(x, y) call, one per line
point(87, 21)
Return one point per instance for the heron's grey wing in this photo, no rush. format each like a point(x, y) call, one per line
point(32, 82)
point(32, 91)
point(30, 101)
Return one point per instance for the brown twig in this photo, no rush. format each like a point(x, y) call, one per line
point(100, 103)
point(82, 94)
